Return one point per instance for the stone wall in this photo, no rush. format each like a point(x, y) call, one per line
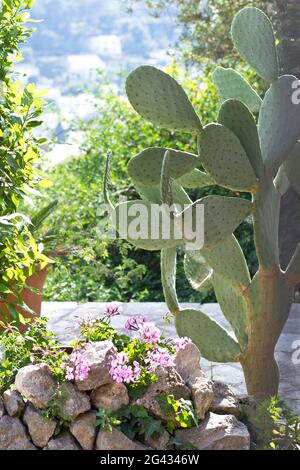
point(26, 422)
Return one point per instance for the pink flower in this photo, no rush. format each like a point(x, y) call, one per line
point(112, 310)
point(78, 368)
point(159, 358)
point(149, 332)
point(180, 343)
point(121, 372)
point(87, 321)
point(134, 323)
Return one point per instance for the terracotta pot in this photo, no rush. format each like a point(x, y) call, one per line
point(32, 299)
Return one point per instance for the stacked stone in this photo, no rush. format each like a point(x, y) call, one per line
point(23, 425)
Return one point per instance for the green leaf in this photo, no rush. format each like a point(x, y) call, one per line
point(279, 122)
point(212, 339)
point(253, 37)
point(231, 85)
point(160, 99)
point(224, 158)
point(236, 116)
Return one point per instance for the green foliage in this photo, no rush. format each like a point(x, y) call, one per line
point(55, 411)
point(276, 426)
point(181, 412)
point(106, 419)
point(35, 346)
point(137, 422)
point(20, 110)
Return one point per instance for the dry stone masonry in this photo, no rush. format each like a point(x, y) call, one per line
point(27, 424)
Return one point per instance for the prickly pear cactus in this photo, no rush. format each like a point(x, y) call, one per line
point(253, 148)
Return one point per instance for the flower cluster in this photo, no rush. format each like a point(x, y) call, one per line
point(120, 371)
point(78, 367)
point(137, 359)
point(159, 358)
point(146, 329)
point(112, 310)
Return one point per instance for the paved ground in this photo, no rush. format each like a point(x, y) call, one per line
point(63, 315)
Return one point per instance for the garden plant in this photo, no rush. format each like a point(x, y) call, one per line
point(252, 149)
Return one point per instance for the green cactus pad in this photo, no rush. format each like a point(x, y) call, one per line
point(236, 116)
point(222, 215)
point(197, 271)
point(231, 85)
point(227, 260)
point(212, 339)
point(146, 167)
point(233, 306)
point(224, 158)
point(253, 37)
point(152, 193)
point(195, 179)
point(168, 277)
point(279, 122)
point(292, 167)
point(160, 99)
point(137, 221)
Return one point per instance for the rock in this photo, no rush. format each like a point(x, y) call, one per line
point(111, 396)
point(217, 432)
point(63, 442)
point(98, 356)
point(187, 361)
point(13, 403)
point(248, 406)
point(160, 442)
point(116, 440)
point(202, 391)
point(13, 435)
point(73, 401)
point(36, 384)
point(225, 401)
point(40, 428)
point(2, 409)
point(169, 383)
point(84, 430)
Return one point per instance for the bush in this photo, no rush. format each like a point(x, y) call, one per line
point(95, 270)
point(20, 109)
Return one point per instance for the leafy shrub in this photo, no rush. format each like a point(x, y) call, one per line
point(278, 428)
point(20, 109)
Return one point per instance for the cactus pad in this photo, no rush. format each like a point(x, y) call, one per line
point(253, 36)
point(160, 99)
point(236, 116)
point(146, 167)
point(279, 122)
point(292, 167)
point(197, 271)
point(231, 85)
point(168, 277)
point(196, 179)
point(224, 158)
point(212, 339)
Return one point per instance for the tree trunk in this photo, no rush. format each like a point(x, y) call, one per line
point(261, 374)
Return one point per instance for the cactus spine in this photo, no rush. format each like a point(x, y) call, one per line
point(244, 152)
